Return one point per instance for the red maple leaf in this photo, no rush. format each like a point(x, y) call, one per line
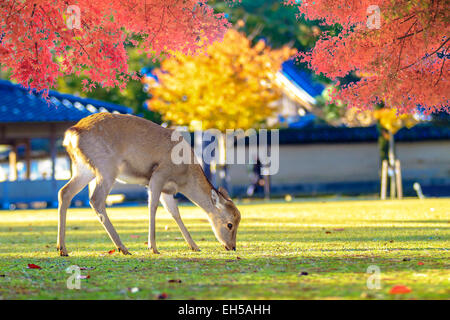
point(398, 52)
point(400, 289)
point(33, 266)
point(163, 296)
point(41, 40)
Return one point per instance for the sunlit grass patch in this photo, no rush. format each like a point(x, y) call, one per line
point(331, 243)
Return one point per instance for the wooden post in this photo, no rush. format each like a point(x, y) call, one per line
point(384, 171)
point(398, 175)
point(13, 163)
point(28, 158)
point(53, 154)
point(392, 165)
point(267, 187)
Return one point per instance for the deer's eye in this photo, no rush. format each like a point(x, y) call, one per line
point(230, 226)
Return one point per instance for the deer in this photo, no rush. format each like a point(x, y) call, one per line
point(106, 147)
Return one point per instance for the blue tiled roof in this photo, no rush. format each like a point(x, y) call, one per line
point(327, 134)
point(298, 77)
point(302, 79)
point(17, 104)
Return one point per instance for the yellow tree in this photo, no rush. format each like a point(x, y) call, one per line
point(392, 122)
point(230, 86)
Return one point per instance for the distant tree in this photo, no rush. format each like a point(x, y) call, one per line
point(272, 21)
point(232, 86)
point(398, 49)
point(133, 95)
point(41, 40)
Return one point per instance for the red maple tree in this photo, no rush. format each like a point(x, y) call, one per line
point(41, 40)
point(398, 49)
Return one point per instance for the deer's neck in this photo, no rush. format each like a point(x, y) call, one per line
point(198, 190)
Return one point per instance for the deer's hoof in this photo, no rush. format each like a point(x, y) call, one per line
point(197, 249)
point(124, 251)
point(63, 252)
point(155, 251)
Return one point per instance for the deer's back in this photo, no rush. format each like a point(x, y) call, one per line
point(129, 144)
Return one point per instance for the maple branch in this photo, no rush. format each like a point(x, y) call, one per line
point(427, 56)
point(440, 74)
point(411, 34)
point(160, 25)
point(403, 44)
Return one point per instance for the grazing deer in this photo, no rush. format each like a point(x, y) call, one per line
point(106, 147)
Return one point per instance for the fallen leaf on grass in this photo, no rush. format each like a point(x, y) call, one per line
point(87, 268)
point(400, 289)
point(366, 295)
point(81, 277)
point(111, 251)
point(327, 232)
point(162, 296)
point(33, 266)
point(174, 281)
point(232, 260)
point(420, 263)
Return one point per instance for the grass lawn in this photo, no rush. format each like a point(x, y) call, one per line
point(332, 243)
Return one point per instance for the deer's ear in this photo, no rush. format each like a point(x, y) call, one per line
point(216, 199)
point(224, 192)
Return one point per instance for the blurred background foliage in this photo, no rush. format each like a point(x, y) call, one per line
point(267, 20)
point(273, 22)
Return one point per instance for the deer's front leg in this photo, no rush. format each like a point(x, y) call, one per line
point(78, 181)
point(170, 204)
point(97, 201)
point(154, 193)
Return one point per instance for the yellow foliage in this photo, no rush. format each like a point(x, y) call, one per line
point(230, 86)
point(392, 122)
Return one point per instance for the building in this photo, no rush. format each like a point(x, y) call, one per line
point(33, 164)
point(346, 161)
point(314, 160)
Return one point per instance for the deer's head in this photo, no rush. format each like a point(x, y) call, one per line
point(225, 220)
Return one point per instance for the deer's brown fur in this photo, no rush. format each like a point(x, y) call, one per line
point(106, 147)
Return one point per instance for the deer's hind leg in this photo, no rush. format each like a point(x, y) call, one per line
point(103, 185)
point(80, 178)
point(170, 204)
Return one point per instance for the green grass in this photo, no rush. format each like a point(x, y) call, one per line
point(334, 242)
